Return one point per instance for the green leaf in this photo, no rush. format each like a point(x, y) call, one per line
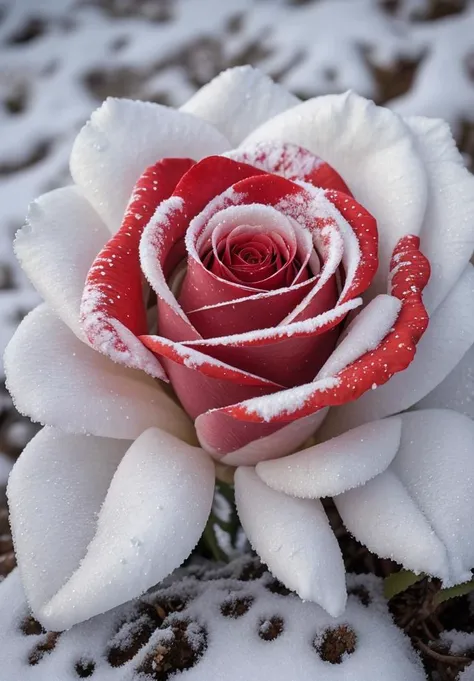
point(454, 592)
point(397, 582)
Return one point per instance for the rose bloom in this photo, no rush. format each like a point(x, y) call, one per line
point(216, 280)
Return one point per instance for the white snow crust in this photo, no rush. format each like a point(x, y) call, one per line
point(234, 649)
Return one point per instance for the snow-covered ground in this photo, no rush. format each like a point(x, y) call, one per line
point(60, 58)
point(213, 627)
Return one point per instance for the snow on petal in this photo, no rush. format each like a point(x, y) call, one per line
point(365, 332)
point(449, 336)
point(55, 491)
point(447, 236)
point(57, 380)
point(456, 391)
point(382, 515)
point(337, 465)
point(419, 512)
point(239, 100)
point(122, 138)
point(294, 538)
point(56, 247)
point(154, 513)
point(284, 441)
point(374, 152)
point(113, 309)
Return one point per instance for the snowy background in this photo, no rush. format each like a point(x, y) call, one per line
point(60, 58)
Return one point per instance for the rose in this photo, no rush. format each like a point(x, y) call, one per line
point(168, 297)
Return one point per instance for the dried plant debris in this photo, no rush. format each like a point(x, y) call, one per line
point(211, 622)
point(335, 643)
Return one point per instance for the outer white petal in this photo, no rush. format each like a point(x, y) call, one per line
point(239, 100)
point(56, 379)
point(336, 465)
point(375, 153)
point(447, 236)
point(449, 336)
point(456, 391)
point(153, 515)
point(419, 512)
point(294, 538)
point(80, 555)
point(122, 138)
point(62, 236)
point(55, 492)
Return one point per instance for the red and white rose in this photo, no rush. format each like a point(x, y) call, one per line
point(224, 275)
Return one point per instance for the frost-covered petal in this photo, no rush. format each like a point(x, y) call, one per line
point(374, 152)
point(239, 100)
point(365, 333)
point(294, 538)
point(154, 513)
point(56, 379)
point(122, 138)
point(447, 235)
point(55, 491)
point(336, 465)
point(456, 391)
point(113, 307)
point(419, 512)
point(56, 247)
point(279, 443)
point(449, 336)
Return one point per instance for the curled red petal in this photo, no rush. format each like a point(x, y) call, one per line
point(364, 227)
point(202, 382)
point(113, 311)
point(162, 245)
point(410, 272)
point(209, 366)
point(271, 352)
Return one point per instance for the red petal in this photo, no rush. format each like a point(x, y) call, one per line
point(292, 162)
point(113, 312)
point(271, 352)
point(195, 360)
point(263, 310)
point(203, 383)
point(410, 272)
point(364, 227)
point(201, 289)
point(162, 244)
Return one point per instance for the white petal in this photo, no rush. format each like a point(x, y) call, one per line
point(153, 515)
point(56, 379)
point(447, 236)
point(55, 491)
point(294, 538)
point(364, 334)
point(122, 138)
point(449, 336)
point(336, 465)
point(419, 512)
point(456, 391)
point(238, 101)
point(62, 236)
point(374, 152)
